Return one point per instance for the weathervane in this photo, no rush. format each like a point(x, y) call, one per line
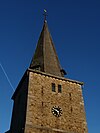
point(45, 15)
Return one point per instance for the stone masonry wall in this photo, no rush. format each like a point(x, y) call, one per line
point(19, 108)
point(41, 99)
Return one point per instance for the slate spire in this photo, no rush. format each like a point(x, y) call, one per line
point(45, 58)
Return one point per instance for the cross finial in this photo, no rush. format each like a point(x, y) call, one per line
point(45, 15)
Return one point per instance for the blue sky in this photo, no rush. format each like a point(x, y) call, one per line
point(75, 29)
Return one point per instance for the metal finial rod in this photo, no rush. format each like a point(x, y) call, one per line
point(45, 14)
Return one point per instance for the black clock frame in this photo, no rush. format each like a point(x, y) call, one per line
point(56, 111)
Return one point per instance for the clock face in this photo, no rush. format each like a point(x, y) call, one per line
point(57, 111)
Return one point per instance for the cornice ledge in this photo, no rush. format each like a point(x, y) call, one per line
point(57, 77)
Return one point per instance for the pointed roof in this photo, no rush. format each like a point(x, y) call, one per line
point(45, 58)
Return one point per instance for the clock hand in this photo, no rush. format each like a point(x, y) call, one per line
point(57, 111)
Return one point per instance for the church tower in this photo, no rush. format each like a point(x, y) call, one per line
point(45, 101)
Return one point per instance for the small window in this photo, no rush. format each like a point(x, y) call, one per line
point(59, 88)
point(71, 109)
point(70, 96)
point(53, 87)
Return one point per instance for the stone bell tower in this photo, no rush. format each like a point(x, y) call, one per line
point(45, 101)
